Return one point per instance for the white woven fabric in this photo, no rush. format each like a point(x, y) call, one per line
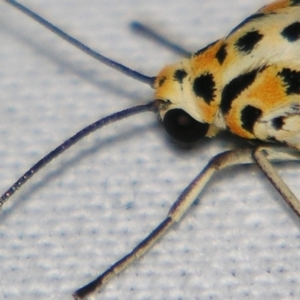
point(91, 206)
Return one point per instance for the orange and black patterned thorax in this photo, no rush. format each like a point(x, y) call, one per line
point(248, 82)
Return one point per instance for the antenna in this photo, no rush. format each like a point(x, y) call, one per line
point(152, 106)
point(113, 64)
point(145, 31)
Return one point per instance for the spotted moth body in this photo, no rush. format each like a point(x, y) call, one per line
point(232, 84)
point(246, 83)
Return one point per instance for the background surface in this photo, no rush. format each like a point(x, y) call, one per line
point(92, 205)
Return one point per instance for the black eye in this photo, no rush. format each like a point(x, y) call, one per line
point(182, 127)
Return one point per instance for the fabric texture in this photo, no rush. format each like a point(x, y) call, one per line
point(92, 205)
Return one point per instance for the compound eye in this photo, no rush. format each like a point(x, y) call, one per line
point(182, 127)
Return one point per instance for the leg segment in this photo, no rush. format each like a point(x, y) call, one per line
point(261, 158)
point(186, 199)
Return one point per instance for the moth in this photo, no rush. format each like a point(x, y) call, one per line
point(240, 84)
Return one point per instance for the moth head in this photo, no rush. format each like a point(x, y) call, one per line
point(177, 104)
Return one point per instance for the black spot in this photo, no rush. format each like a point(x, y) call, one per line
point(199, 52)
point(278, 122)
point(291, 79)
point(295, 107)
point(295, 2)
point(271, 139)
point(292, 32)
point(161, 81)
point(179, 75)
point(247, 20)
point(249, 116)
point(204, 87)
point(221, 54)
point(234, 88)
point(247, 42)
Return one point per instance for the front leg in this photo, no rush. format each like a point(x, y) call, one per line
point(178, 209)
point(262, 157)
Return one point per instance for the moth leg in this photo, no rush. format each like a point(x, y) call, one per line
point(185, 200)
point(261, 157)
point(147, 32)
point(183, 203)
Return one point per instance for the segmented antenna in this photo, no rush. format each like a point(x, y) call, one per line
point(92, 127)
point(152, 106)
point(113, 64)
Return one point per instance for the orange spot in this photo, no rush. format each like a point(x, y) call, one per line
point(266, 93)
point(275, 5)
point(208, 111)
point(234, 124)
point(268, 90)
point(206, 61)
